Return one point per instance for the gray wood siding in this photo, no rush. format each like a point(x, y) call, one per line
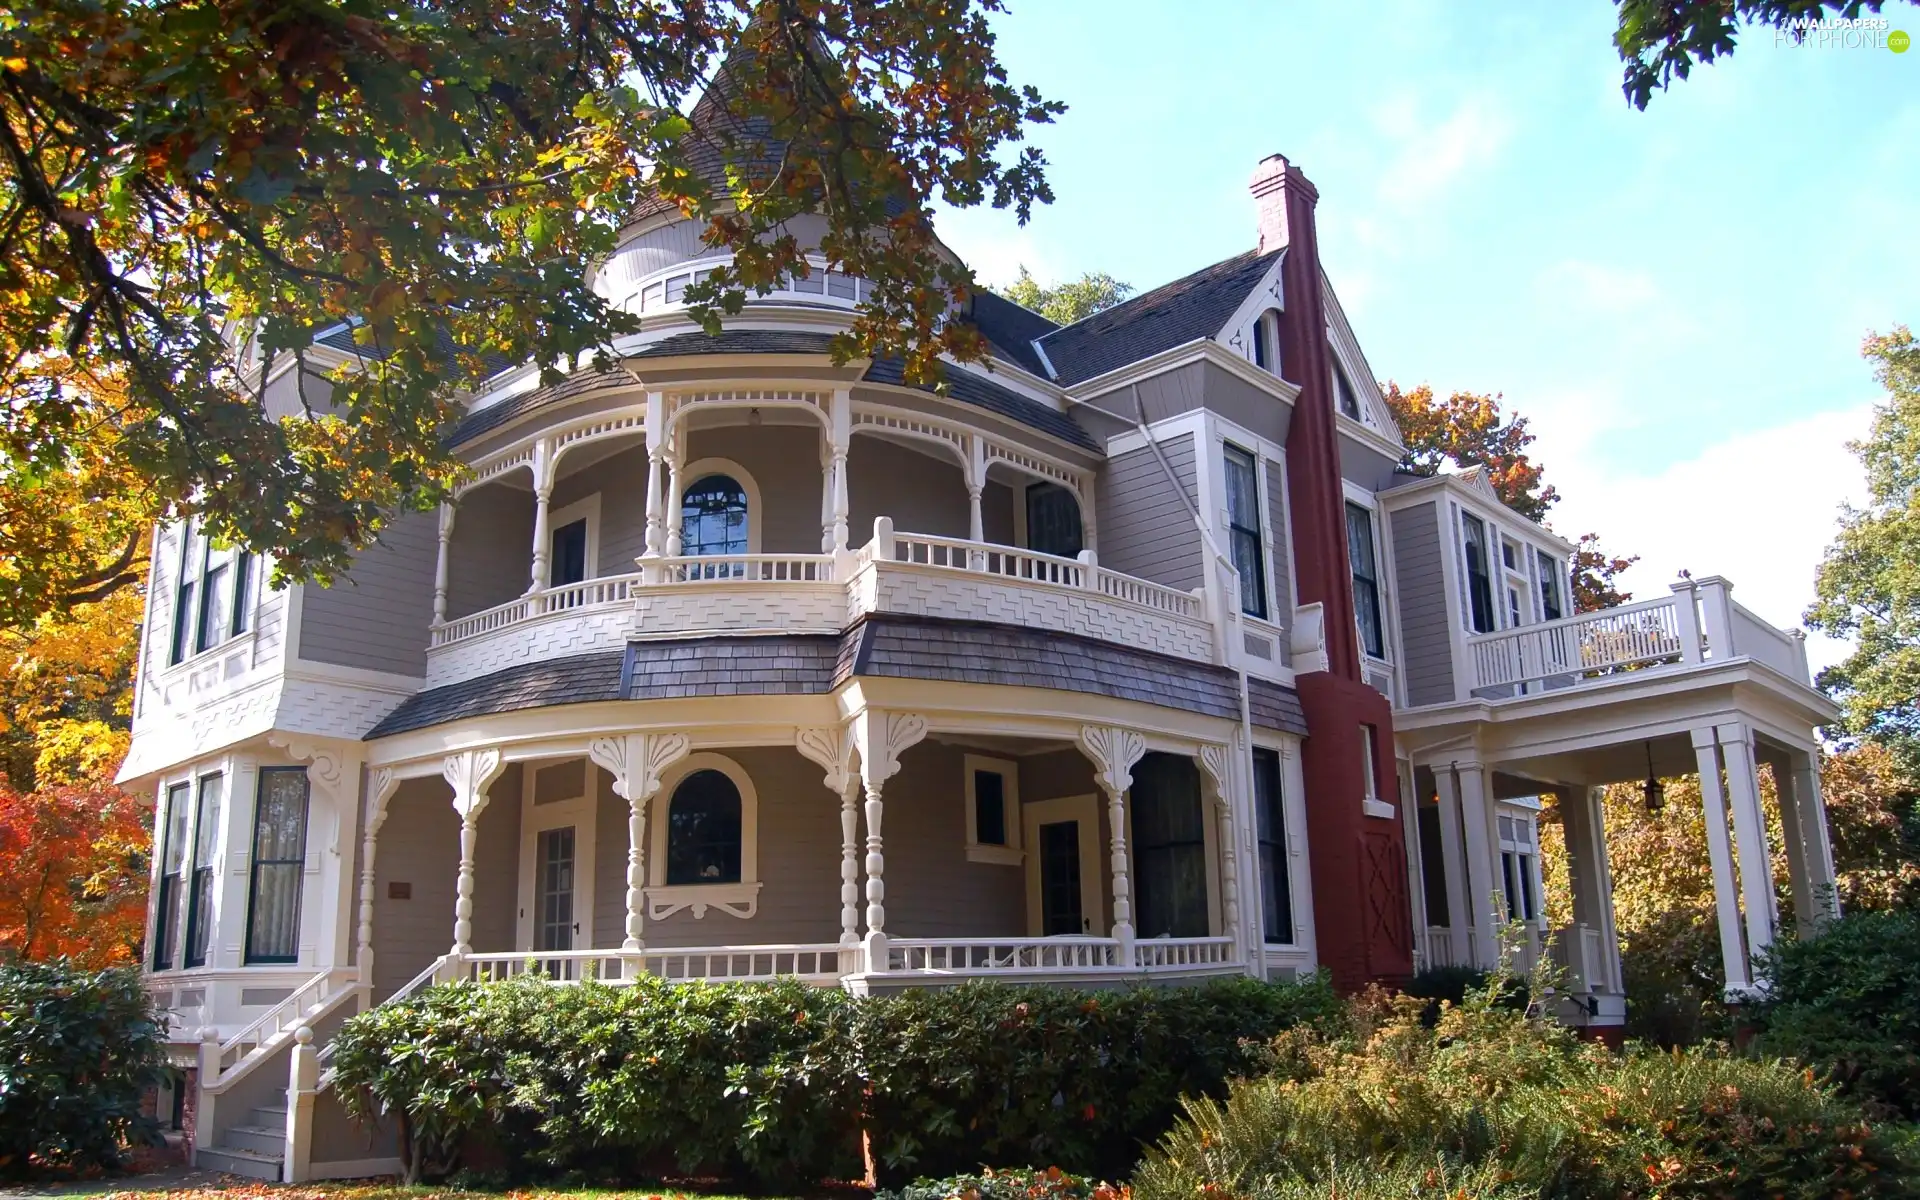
point(419, 846)
point(923, 493)
point(1361, 465)
point(490, 559)
point(1246, 405)
point(376, 616)
point(932, 890)
point(659, 248)
point(1145, 529)
point(609, 862)
point(1421, 593)
point(496, 866)
point(295, 392)
point(799, 861)
point(620, 479)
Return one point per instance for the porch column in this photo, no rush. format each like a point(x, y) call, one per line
point(470, 773)
point(1750, 835)
point(636, 762)
point(1793, 828)
point(880, 737)
point(1089, 524)
point(1733, 951)
point(447, 513)
point(1484, 893)
point(833, 748)
point(676, 498)
point(381, 785)
point(839, 441)
point(1114, 752)
point(1453, 869)
point(656, 541)
point(542, 493)
point(1214, 769)
point(1583, 821)
point(1803, 770)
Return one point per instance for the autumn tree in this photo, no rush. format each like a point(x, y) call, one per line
point(188, 190)
point(1471, 429)
point(1868, 586)
point(1065, 303)
point(73, 874)
point(1663, 40)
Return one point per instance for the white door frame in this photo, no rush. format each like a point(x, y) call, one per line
point(1086, 811)
point(578, 812)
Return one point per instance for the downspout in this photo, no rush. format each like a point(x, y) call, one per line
point(1249, 881)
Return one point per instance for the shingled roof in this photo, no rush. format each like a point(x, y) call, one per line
point(1170, 315)
point(882, 645)
point(1010, 329)
point(964, 386)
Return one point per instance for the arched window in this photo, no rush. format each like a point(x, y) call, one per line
point(703, 830)
point(713, 517)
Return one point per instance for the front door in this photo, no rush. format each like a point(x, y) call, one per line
point(555, 908)
point(554, 925)
point(1063, 867)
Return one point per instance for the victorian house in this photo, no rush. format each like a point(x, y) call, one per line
point(1127, 658)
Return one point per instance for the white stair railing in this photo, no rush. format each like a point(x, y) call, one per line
point(310, 1002)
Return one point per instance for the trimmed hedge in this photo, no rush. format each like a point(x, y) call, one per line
point(77, 1050)
point(1494, 1103)
point(775, 1084)
point(1848, 1003)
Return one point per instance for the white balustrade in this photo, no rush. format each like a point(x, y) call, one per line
point(1575, 650)
point(822, 963)
point(308, 1003)
point(745, 568)
point(1175, 954)
point(1755, 638)
point(1002, 956)
point(986, 558)
point(1450, 947)
point(589, 593)
point(1147, 594)
point(487, 620)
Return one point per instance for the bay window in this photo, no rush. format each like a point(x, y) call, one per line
point(206, 840)
point(1276, 894)
point(1243, 530)
point(173, 858)
point(279, 865)
point(212, 596)
point(1480, 612)
point(1366, 580)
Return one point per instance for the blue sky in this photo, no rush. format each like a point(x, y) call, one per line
point(1676, 297)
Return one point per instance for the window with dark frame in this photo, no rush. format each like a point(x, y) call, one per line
point(1349, 399)
point(568, 555)
point(212, 595)
point(206, 831)
point(1170, 848)
point(279, 866)
point(1366, 581)
point(1479, 577)
point(704, 830)
point(989, 808)
point(1053, 521)
point(1262, 356)
point(173, 859)
point(1243, 530)
point(713, 517)
point(1270, 819)
point(1550, 607)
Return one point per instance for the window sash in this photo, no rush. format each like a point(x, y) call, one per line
point(206, 826)
point(1244, 536)
point(1261, 357)
point(212, 629)
point(1270, 820)
point(1366, 586)
point(1479, 577)
point(1550, 608)
point(173, 854)
point(568, 556)
point(989, 808)
point(279, 866)
point(705, 831)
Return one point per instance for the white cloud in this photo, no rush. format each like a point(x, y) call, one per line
point(996, 245)
point(1430, 156)
point(1758, 508)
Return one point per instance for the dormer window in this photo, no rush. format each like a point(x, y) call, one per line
point(1262, 348)
point(1343, 390)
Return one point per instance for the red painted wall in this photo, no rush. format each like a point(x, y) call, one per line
point(1362, 914)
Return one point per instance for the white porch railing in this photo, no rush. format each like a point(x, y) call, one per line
point(1002, 956)
point(487, 620)
point(1566, 652)
point(1446, 947)
point(1178, 954)
point(815, 963)
point(743, 568)
point(1152, 595)
point(237, 1056)
point(589, 593)
point(1581, 952)
point(986, 558)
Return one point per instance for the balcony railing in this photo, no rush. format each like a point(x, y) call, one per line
point(922, 574)
point(1699, 623)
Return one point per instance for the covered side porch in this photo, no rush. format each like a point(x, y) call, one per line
point(893, 848)
point(1483, 782)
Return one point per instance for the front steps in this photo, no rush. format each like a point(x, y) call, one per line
point(255, 1149)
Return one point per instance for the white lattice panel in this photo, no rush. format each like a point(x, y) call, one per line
point(902, 588)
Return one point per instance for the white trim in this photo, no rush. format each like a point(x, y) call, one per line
point(1008, 853)
point(1166, 429)
point(586, 508)
point(1198, 350)
point(578, 811)
point(695, 471)
point(1085, 810)
point(740, 899)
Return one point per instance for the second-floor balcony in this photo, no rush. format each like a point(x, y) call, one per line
point(1699, 623)
point(901, 572)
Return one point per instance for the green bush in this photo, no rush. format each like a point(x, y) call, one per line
point(1454, 984)
point(1848, 1003)
point(774, 1084)
point(1492, 1103)
point(1015, 1184)
point(77, 1050)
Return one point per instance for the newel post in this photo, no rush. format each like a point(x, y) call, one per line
point(303, 1085)
point(1686, 613)
point(636, 762)
point(1716, 617)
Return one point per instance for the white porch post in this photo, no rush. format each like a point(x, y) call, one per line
point(834, 749)
point(1716, 616)
point(1114, 752)
point(1214, 768)
point(636, 762)
point(542, 493)
point(447, 513)
point(1484, 892)
point(1583, 820)
point(381, 785)
point(1453, 868)
point(1089, 521)
point(656, 450)
point(303, 1086)
point(1750, 834)
point(470, 773)
point(839, 442)
point(1794, 837)
point(676, 498)
point(1803, 767)
point(1733, 952)
point(880, 737)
